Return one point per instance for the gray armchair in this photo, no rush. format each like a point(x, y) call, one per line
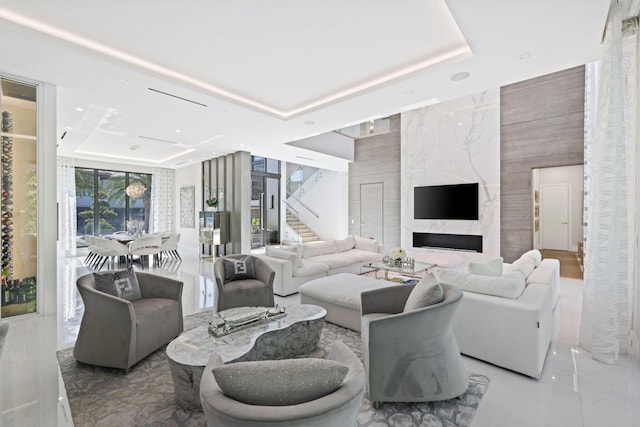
point(410, 356)
point(339, 408)
point(117, 333)
point(245, 292)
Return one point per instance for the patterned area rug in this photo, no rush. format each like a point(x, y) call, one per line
point(106, 397)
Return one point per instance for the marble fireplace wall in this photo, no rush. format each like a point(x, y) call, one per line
point(454, 142)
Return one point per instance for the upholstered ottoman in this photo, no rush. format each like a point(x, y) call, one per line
point(340, 296)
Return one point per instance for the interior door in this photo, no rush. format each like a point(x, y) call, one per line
point(372, 210)
point(554, 216)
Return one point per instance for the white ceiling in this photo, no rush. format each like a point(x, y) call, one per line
point(258, 74)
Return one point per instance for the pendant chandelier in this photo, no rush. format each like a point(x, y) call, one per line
point(135, 190)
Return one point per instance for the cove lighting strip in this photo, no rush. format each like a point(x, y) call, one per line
point(460, 52)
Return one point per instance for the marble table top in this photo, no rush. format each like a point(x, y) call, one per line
point(195, 347)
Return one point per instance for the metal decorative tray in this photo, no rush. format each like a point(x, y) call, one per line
point(236, 319)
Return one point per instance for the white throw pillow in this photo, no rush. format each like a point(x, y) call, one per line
point(535, 255)
point(312, 249)
point(285, 254)
point(509, 285)
point(524, 265)
point(489, 268)
point(427, 292)
point(346, 244)
point(365, 244)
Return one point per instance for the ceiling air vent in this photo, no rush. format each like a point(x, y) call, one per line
point(177, 97)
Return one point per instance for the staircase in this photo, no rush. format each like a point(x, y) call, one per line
point(305, 233)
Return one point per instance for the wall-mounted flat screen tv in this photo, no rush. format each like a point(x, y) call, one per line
point(458, 201)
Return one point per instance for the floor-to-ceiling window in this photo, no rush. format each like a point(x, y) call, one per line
point(110, 201)
point(265, 201)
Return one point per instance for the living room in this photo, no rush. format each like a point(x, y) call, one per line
point(405, 154)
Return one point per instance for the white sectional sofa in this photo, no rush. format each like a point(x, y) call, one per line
point(504, 319)
point(299, 263)
point(507, 320)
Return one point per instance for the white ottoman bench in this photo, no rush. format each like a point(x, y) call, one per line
point(339, 294)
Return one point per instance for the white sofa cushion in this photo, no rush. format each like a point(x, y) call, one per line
point(293, 247)
point(489, 268)
point(312, 249)
point(364, 256)
point(337, 260)
point(345, 244)
point(310, 268)
point(509, 285)
point(290, 255)
point(363, 243)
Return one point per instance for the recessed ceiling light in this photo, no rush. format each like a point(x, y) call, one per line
point(178, 131)
point(309, 122)
point(79, 109)
point(68, 128)
point(459, 123)
point(525, 55)
point(460, 76)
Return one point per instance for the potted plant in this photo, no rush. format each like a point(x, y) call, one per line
point(212, 201)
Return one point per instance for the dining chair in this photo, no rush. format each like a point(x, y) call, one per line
point(169, 246)
point(145, 246)
point(108, 248)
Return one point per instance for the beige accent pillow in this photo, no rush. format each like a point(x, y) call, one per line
point(280, 382)
point(427, 292)
point(346, 244)
point(366, 244)
point(489, 268)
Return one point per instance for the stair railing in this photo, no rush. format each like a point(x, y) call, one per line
point(292, 234)
point(301, 203)
point(302, 181)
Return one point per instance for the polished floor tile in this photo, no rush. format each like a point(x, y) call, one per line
point(574, 390)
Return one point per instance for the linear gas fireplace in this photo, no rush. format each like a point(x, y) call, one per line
point(461, 242)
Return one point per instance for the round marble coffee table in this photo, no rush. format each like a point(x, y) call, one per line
point(296, 333)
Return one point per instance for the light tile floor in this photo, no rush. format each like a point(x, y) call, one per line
point(574, 389)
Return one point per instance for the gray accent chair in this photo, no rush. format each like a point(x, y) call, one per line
point(411, 356)
point(256, 292)
point(339, 408)
point(116, 333)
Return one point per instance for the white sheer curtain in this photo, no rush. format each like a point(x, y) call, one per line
point(67, 224)
point(163, 212)
point(610, 144)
